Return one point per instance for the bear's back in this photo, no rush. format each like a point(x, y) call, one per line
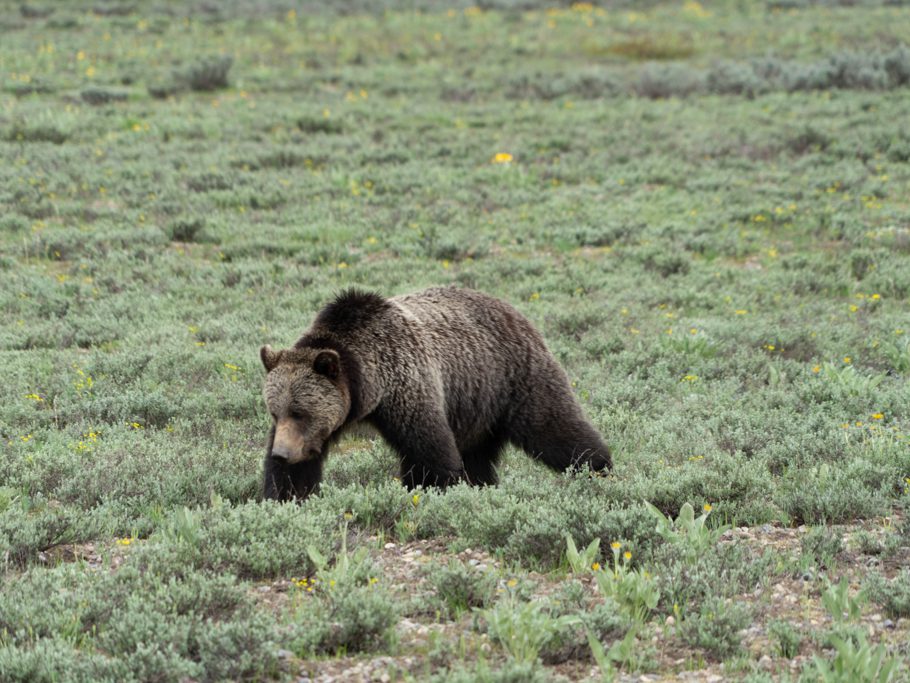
point(481, 347)
point(457, 319)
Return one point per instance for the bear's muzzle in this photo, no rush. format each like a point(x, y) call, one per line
point(289, 443)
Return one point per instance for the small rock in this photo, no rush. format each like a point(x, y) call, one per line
point(389, 546)
point(264, 589)
point(473, 562)
point(766, 528)
point(670, 620)
point(284, 654)
point(807, 576)
point(887, 623)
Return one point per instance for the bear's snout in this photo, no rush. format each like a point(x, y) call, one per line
point(283, 453)
point(289, 443)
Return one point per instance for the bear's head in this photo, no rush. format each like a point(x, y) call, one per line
point(308, 398)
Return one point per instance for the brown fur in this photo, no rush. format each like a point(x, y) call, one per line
point(448, 376)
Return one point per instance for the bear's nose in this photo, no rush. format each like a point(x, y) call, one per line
point(281, 451)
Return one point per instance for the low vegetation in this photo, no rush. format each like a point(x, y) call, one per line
point(702, 206)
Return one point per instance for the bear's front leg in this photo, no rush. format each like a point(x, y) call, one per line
point(282, 481)
point(424, 442)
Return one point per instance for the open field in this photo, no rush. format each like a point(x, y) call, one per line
point(702, 206)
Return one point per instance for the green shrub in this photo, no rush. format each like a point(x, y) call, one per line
point(827, 495)
point(511, 671)
point(601, 620)
point(459, 587)
point(209, 73)
point(715, 627)
point(893, 595)
point(822, 546)
point(56, 658)
point(344, 619)
point(251, 540)
point(29, 525)
point(162, 622)
point(730, 569)
point(787, 638)
point(524, 629)
point(854, 661)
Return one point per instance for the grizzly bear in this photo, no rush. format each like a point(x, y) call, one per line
point(447, 376)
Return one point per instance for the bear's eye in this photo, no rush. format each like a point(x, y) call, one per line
point(296, 415)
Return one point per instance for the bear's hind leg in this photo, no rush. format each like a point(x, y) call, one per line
point(480, 461)
point(556, 432)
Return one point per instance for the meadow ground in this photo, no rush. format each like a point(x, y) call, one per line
point(703, 207)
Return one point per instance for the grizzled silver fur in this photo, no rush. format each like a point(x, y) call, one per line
point(447, 376)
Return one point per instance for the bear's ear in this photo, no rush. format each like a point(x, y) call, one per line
point(328, 363)
point(269, 358)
